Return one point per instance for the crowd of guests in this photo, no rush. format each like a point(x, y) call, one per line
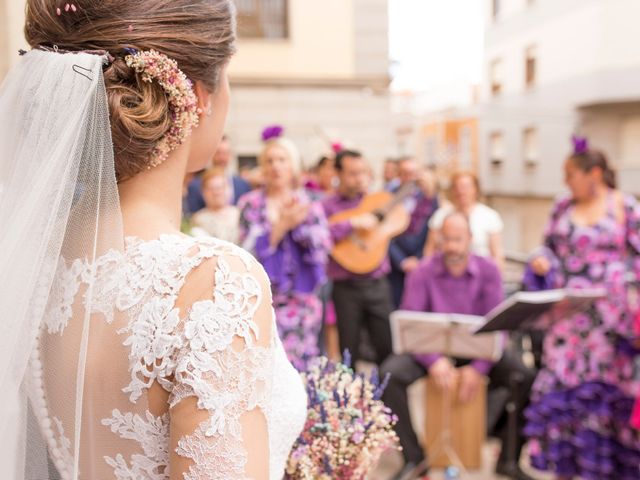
point(576, 409)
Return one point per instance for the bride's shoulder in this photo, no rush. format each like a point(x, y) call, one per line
point(186, 267)
point(221, 248)
point(231, 282)
point(171, 251)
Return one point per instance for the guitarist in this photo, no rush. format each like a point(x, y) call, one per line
point(361, 301)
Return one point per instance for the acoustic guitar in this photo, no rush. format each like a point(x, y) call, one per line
point(364, 250)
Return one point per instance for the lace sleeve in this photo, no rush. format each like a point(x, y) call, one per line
point(222, 380)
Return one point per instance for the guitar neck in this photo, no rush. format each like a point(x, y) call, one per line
point(404, 192)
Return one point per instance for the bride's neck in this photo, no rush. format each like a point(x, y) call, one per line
point(151, 201)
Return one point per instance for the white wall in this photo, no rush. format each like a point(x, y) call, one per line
point(371, 31)
point(588, 52)
point(11, 33)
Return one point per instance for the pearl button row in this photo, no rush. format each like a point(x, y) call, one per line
point(39, 404)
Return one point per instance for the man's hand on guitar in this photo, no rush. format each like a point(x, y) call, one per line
point(366, 221)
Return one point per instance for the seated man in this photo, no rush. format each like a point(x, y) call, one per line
point(454, 281)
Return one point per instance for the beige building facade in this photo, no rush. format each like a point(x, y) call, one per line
point(325, 80)
point(320, 69)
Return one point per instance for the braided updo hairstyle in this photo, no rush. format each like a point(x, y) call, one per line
point(198, 34)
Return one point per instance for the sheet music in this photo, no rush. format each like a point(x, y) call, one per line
point(522, 309)
point(450, 334)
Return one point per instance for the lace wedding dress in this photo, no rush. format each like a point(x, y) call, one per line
point(184, 378)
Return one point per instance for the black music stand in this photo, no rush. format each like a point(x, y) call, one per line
point(523, 311)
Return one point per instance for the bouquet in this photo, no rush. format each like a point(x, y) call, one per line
point(348, 427)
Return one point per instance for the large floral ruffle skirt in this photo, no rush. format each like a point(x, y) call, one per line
point(299, 321)
point(584, 432)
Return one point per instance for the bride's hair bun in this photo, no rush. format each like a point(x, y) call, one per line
point(198, 34)
point(139, 116)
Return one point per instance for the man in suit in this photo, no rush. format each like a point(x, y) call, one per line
point(222, 160)
point(406, 249)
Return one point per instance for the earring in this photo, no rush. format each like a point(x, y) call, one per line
point(199, 111)
point(209, 111)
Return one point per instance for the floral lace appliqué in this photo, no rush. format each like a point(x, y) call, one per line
point(152, 434)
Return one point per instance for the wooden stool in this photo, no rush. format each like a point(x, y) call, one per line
point(467, 427)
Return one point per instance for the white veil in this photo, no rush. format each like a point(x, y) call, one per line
point(58, 202)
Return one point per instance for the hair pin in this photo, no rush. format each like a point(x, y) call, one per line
point(76, 68)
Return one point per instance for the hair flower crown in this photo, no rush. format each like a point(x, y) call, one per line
point(183, 103)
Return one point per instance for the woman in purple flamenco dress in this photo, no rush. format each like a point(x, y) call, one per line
point(578, 419)
point(289, 235)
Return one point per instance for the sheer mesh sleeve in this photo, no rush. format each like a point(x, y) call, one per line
point(222, 380)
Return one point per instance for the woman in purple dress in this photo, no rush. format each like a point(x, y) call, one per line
point(578, 420)
point(288, 234)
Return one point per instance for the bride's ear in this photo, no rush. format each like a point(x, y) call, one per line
point(205, 100)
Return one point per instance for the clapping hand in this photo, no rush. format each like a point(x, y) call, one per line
point(293, 214)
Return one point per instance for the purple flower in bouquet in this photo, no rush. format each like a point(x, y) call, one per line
point(348, 427)
point(272, 131)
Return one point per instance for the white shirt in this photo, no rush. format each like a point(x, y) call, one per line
point(484, 222)
point(223, 224)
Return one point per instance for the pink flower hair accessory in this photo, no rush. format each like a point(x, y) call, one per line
point(67, 7)
point(337, 147)
point(183, 103)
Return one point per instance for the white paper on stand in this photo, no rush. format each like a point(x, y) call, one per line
point(444, 333)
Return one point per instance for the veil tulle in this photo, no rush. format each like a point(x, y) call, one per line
point(58, 204)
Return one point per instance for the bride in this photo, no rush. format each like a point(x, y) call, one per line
point(127, 350)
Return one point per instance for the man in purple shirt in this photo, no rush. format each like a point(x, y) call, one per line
point(361, 301)
point(455, 281)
